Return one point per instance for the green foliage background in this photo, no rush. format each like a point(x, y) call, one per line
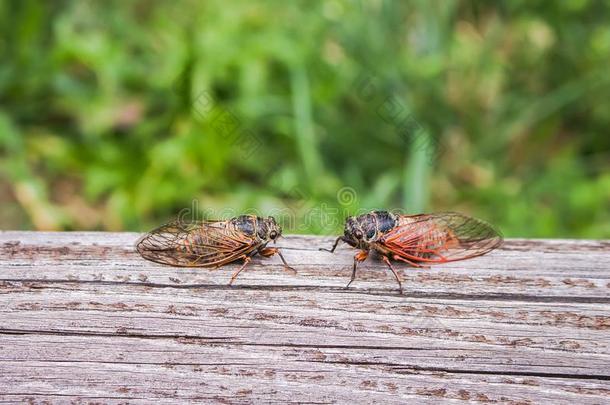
point(99, 125)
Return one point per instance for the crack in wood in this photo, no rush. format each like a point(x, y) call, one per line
point(373, 292)
point(414, 368)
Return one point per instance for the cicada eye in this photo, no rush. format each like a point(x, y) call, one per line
point(358, 234)
point(273, 234)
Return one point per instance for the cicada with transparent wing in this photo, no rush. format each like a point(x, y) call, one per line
point(419, 240)
point(212, 243)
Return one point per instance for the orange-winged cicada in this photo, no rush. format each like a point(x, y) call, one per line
point(211, 243)
point(419, 240)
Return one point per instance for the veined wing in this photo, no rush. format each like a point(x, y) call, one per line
point(440, 237)
point(195, 244)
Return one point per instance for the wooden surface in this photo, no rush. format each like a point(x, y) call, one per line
point(83, 318)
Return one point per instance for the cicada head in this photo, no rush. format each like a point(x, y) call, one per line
point(354, 232)
point(364, 229)
point(268, 229)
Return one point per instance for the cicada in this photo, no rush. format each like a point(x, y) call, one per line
point(212, 243)
point(419, 240)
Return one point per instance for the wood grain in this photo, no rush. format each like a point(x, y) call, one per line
point(83, 318)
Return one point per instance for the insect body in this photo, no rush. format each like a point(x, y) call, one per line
point(212, 243)
point(418, 240)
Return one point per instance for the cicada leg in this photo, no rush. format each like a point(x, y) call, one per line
point(268, 252)
point(387, 261)
point(332, 250)
point(412, 263)
point(359, 257)
point(247, 260)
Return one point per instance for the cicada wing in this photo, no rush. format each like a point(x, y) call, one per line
point(440, 237)
point(195, 244)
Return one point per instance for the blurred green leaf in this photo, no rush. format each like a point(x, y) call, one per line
point(103, 124)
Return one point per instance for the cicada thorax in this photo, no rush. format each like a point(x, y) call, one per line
point(384, 222)
point(252, 226)
point(245, 224)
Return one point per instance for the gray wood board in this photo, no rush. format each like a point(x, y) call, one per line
point(83, 317)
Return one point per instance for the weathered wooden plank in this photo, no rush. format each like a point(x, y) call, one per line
point(531, 337)
point(146, 369)
point(83, 317)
